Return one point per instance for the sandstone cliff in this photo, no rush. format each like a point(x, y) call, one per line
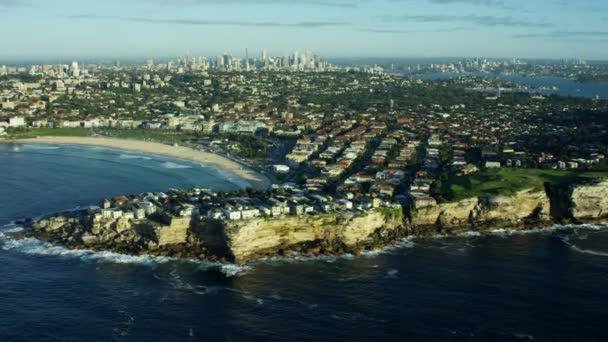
point(519, 210)
point(589, 201)
point(236, 241)
point(330, 233)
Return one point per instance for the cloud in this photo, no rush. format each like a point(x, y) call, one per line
point(489, 3)
point(467, 19)
point(199, 22)
point(372, 30)
point(565, 34)
point(471, 2)
point(397, 31)
point(323, 3)
point(14, 3)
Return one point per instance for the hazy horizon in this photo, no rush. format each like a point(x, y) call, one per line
point(70, 29)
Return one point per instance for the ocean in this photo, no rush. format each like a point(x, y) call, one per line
point(526, 286)
point(565, 86)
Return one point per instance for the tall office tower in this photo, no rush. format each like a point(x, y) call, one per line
point(227, 60)
point(264, 56)
point(117, 63)
point(150, 63)
point(74, 69)
point(304, 59)
point(296, 58)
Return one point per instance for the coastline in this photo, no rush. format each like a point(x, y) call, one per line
point(256, 179)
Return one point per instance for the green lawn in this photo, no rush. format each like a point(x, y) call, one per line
point(509, 181)
point(46, 132)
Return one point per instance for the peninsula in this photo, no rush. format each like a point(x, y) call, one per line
point(245, 226)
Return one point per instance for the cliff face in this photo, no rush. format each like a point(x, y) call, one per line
point(589, 201)
point(237, 241)
point(523, 208)
point(250, 239)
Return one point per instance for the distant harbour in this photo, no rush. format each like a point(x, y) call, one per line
point(565, 86)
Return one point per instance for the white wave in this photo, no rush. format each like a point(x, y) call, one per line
point(548, 230)
point(583, 250)
point(134, 156)
point(34, 246)
point(232, 270)
point(41, 147)
point(172, 165)
point(11, 228)
point(524, 336)
point(392, 273)
point(300, 258)
point(470, 234)
point(511, 232)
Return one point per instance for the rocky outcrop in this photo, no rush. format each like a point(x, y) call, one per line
point(589, 201)
point(329, 234)
point(525, 208)
point(244, 240)
point(237, 241)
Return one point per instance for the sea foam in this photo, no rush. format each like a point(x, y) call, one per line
point(134, 156)
point(172, 165)
point(34, 246)
point(41, 147)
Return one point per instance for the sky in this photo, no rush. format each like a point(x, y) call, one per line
point(332, 28)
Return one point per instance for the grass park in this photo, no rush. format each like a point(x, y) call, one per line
point(509, 181)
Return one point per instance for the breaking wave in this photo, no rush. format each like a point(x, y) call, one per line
point(566, 240)
point(548, 230)
point(41, 147)
point(588, 251)
point(37, 247)
point(172, 165)
point(134, 156)
point(33, 246)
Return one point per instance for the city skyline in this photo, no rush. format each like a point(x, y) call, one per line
point(334, 29)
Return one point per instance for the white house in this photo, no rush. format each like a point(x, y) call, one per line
point(250, 213)
point(280, 169)
point(215, 214)
point(232, 213)
point(16, 121)
point(345, 204)
point(139, 212)
point(148, 207)
point(492, 165)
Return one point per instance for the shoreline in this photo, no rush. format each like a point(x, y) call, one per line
point(256, 179)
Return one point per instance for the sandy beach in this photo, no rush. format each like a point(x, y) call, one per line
point(256, 179)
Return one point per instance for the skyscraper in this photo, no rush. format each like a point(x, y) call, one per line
point(263, 55)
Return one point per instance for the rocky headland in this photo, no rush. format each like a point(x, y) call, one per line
point(244, 240)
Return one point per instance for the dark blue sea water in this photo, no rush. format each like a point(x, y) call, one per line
point(528, 286)
point(566, 86)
